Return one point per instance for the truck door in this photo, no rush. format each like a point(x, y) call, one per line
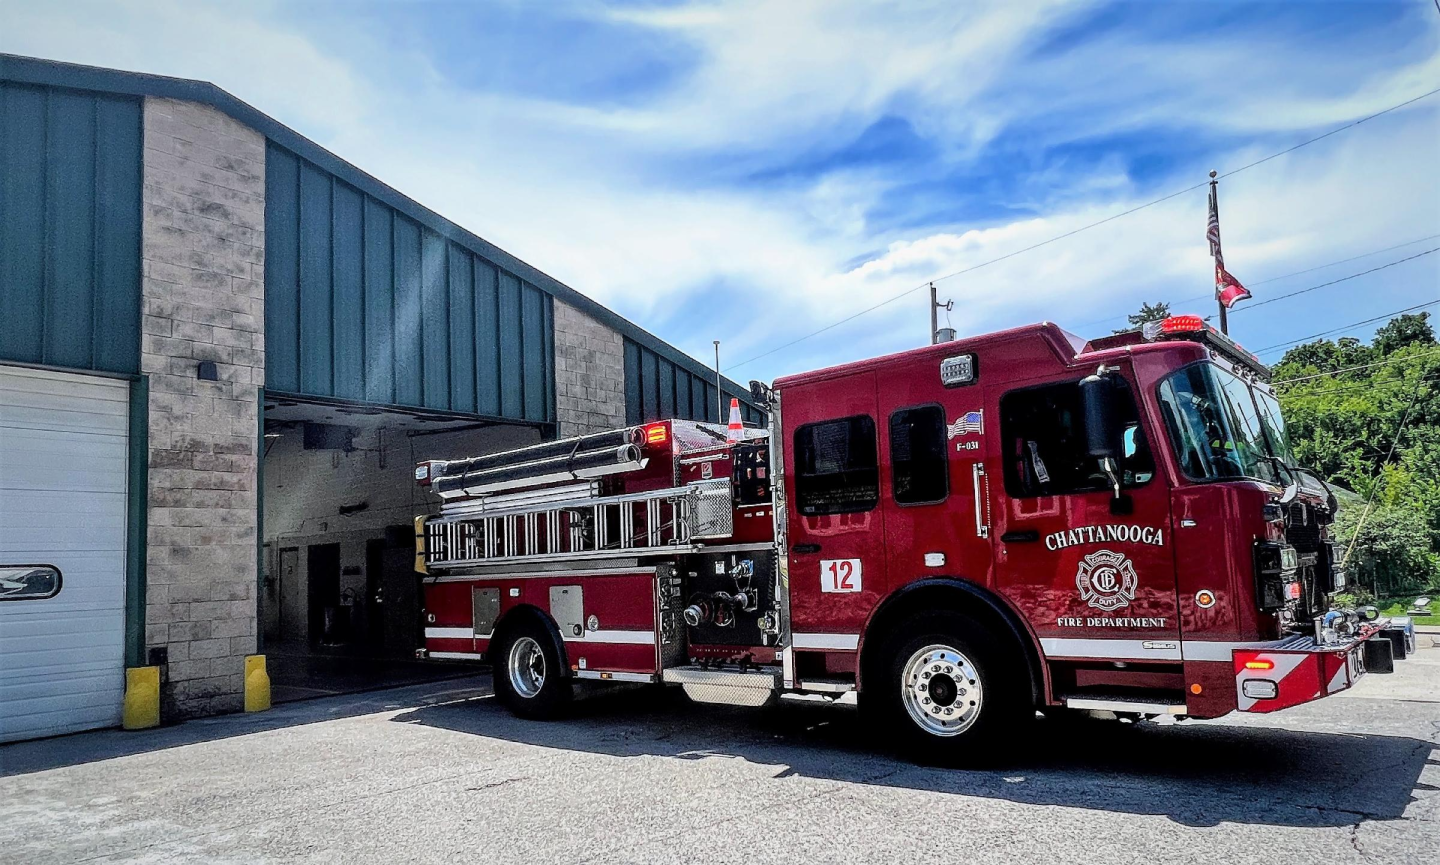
point(932, 468)
point(835, 524)
point(1096, 582)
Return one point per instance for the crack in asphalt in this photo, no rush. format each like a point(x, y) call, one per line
point(1355, 840)
point(493, 784)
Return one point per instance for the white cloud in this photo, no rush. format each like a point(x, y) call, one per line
point(592, 194)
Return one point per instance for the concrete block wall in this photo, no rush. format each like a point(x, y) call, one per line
point(203, 253)
point(589, 373)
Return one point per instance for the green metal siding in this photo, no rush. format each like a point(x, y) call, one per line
point(657, 388)
point(69, 228)
point(365, 303)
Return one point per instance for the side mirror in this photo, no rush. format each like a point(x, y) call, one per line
point(1104, 436)
point(29, 582)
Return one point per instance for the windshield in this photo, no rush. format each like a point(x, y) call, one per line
point(1216, 428)
point(1274, 426)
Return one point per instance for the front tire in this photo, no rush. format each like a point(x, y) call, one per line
point(529, 674)
point(950, 693)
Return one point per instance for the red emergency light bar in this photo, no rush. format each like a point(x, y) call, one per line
point(1182, 324)
point(1191, 326)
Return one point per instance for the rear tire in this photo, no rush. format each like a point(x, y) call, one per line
point(950, 690)
point(529, 674)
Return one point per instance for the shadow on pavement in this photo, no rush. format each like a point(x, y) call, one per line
point(39, 755)
point(302, 673)
point(1195, 774)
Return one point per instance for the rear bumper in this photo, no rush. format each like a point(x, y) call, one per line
point(1290, 672)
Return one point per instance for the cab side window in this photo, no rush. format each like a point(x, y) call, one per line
point(836, 470)
point(918, 471)
point(1043, 434)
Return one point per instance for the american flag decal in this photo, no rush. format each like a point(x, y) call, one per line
point(970, 422)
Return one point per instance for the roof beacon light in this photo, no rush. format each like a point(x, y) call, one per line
point(1182, 324)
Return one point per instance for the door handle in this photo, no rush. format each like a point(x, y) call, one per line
point(1021, 537)
point(805, 548)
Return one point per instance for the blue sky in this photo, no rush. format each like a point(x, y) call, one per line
point(752, 171)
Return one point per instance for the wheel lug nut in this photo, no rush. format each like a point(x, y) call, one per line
point(935, 669)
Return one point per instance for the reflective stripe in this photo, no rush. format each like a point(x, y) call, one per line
point(843, 642)
point(624, 638)
point(613, 677)
point(458, 656)
point(1126, 650)
point(449, 633)
point(1219, 650)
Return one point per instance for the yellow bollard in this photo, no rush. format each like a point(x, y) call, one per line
point(257, 684)
point(141, 706)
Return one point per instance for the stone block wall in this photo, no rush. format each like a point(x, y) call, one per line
point(203, 300)
point(589, 373)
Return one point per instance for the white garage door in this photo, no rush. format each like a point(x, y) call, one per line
point(63, 453)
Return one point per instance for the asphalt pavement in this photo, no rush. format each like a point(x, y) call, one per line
point(439, 773)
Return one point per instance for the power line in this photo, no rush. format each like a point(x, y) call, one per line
point(1087, 227)
point(1333, 263)
point(1251, 306)
point(1364, 385)
point(1385, 362)
point(1394, 443)
point(1347, 326)
point(1211, 295)
point(1296, 273)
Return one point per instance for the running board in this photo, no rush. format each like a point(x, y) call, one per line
point(1125, 704)
point(827, 686)
point(754, 688)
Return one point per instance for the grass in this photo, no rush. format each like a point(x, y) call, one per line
point(1399, 606)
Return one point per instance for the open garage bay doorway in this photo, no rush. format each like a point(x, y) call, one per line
point(340, 601)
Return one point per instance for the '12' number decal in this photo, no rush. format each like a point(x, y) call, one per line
point(839, 575)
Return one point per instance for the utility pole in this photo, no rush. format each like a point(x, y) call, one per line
point(719, 394)
point(935, 307)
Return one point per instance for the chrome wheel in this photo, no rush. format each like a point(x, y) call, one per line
point(941, 690)
point(526, 667)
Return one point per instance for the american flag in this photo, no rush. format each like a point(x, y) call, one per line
point(970, 422)
point(1227, 288)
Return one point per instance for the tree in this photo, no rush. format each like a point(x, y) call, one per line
point(1404, 331)
point(1344, 408)
point(1149, 312)
point(1393, 555)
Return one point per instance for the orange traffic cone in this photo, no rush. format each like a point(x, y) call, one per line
point(736, 430)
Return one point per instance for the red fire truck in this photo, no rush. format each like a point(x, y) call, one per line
point(963, 534)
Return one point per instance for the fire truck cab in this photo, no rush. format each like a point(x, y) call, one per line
point(963, 534)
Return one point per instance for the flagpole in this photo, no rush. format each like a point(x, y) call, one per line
point(1215, 208)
